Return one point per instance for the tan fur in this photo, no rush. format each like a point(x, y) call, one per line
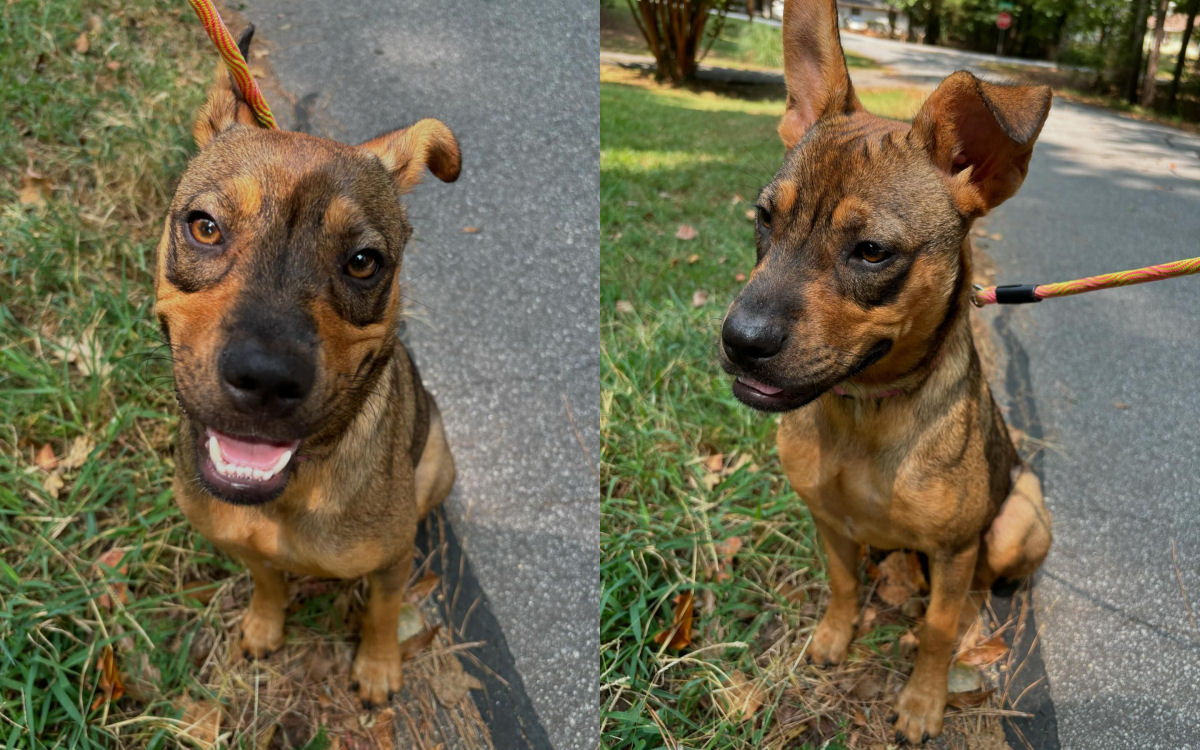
point(892, 438)
point(373, 456)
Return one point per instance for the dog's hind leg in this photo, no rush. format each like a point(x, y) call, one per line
point(1016, 543)
point(435, 470)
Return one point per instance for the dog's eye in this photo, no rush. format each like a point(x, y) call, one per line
point(764, 217)
point(363, 265)
point(871, 252)
point(204, 229)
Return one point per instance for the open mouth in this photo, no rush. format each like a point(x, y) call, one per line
point(241, 470)
point(766, 397)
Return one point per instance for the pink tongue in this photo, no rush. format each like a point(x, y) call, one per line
point(763, 388)
point(254, 455)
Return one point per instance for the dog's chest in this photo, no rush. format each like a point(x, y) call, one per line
point(256, 537)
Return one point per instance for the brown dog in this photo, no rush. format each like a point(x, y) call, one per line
point(855, 322)
point(306, 441)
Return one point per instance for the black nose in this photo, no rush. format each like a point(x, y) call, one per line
point(750, 338)
point(266, 379)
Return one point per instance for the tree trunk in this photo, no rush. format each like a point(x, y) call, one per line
point(1193, 8)
point(933, 24)
point(1152, 62)
point(1132, 68)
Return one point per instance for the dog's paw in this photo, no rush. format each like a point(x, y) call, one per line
point(919, 713)
point(261, 636)
point(376, 677)
point(830, 643)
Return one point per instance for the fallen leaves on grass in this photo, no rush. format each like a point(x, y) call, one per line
point(983, 654)
point(686, 232)
point(112, 560)
point(34, 188)
point(110, 684)
point(740, 697)
point(82, 44)
point(699, 298)
point(679, 635)
point(739, 276)
point(969, 699)
point(45, 458)
point(452, 684)
point(900, 577)
point(201, 721)
point(725, 552)
point(693, 259)
point(624, 307)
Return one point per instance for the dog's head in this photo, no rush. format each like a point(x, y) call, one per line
point(277, 286)
point(860, 236)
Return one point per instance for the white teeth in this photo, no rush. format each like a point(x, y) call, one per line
point(236, 471)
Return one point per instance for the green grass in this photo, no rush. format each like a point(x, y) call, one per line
point(671, 157)
point(103, 131)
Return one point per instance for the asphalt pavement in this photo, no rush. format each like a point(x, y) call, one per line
point(502, 280)
point(1105, 383)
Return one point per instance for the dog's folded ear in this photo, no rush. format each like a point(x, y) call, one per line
point(818, 83)
point(225, 106)
point(981, 136)
point(407, 152)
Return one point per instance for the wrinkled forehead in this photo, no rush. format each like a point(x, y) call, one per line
point(291, 175)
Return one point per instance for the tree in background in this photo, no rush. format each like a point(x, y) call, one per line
point(674, 30)
point(1160, 31)
point(1192, 8)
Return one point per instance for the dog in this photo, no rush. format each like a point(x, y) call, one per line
point(306, 442)
point(855, 324)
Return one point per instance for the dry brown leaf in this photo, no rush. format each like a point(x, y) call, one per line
point(1120, 405)
point(907, 643)
point(751, 214)
point(624, 306)
point(113, 65)
point(693, 259)
point(34, 189)
point(725, 552)
point(382, 731)
point(867, 620)
point(988, 652)
point(111, 687)
point(53, 484)
point(979, 232)
point(45, 459)
point(82, 44)
point(900, 577)
point(201, 591)
point(95, 23)
point(679, 635)
point(112, 559)
point(470, 230)
point(77, 455)
point(451, 684)
point(423, 587)
point(995, 236)
point(201, 721)
point(740, 697)
point(419, 642)
point(969, 699)
point(715, 462)
point(686, 232)
point(699, 298)
point(739, 277)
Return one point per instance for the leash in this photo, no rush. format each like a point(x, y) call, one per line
point(1015, 294)
point(220, 36)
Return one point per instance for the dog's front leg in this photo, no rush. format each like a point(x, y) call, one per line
point(262, 625)
point(377, 665)
point(922, 702)
point(831, 640)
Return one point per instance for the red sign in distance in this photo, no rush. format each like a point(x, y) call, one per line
point(1003, 20)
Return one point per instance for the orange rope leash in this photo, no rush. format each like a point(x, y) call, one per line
point(219, 34)
point(1018, 293)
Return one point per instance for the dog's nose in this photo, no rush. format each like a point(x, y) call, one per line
point(749, 338)
point(265, 380)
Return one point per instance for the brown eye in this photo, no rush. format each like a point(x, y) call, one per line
point(363, 265)
point(204, 229)
point(871, 252)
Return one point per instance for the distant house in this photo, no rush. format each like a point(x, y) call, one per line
point(864, 15)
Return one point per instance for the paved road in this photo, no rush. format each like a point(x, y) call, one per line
point(506, 329)
point(1108, 381)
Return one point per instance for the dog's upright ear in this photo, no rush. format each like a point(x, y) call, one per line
point(407, 152)
point(980, 135)
point(225, 106)
point(818, 83)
